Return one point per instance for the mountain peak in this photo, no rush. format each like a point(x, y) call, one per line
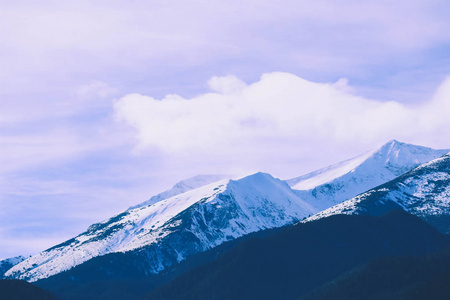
point(423, 191)
point(394, 142)
point(339, 182)
point(399, 157)
point(198, 181)
point(182, 187)
point(394, 147)
point(255, 178)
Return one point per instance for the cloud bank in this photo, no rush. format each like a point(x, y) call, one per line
point(280, 108)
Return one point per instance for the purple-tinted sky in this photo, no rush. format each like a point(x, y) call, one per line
point(104, 103)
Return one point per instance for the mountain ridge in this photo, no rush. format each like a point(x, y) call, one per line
point(331, 185)
point(172, 229)
point(182, 187)
point(423, 191)
point(202, 215)
point(8, 263)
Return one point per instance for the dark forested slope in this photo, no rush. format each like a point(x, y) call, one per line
point(301, 258)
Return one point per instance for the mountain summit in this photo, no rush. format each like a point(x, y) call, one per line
point(182, 187)
point(342, 181)
point(423, 191)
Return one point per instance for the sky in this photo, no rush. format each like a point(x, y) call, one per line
point(106, 103)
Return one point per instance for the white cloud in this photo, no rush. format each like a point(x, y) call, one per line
point(280, 106)
point(226, 84)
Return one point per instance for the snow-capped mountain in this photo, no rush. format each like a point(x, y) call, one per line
point(8, 263)
point(168, 231)
point(342, 181)
point(204, 211)
point(182, 187)
point(423, 191)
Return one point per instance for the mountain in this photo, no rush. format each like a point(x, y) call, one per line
point(11, 289)
point(123, 276)
point(8, 263)
point(300, 258)
point(182, 187)
point(392, 278)
point(169, 231)
point(423, 191)
point(332, 185)
point(202, 212)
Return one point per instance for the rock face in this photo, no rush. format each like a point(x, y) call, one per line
point(332, 185)
point(423, 191)
point(170, 230)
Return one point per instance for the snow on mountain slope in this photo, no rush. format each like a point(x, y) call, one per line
point(182, 187)
point(8, 263)
point(342, 181)
point(172, 229)
point(328, 174)
point(423, 191)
